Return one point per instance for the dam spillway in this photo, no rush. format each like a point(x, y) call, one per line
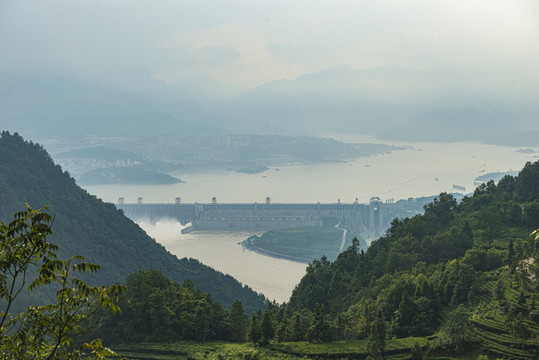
point(365, 218)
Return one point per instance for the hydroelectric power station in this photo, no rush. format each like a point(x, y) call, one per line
point(372, 218)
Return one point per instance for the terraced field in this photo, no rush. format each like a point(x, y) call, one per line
point(492, 323)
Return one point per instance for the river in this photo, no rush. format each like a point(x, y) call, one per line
point(421, 169)
point(275, 278)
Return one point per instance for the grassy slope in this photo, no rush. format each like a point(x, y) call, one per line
point(357, 349)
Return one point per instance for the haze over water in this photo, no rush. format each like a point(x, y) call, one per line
point(422, 169)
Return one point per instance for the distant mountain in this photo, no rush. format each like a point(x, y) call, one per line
point(465, 124)
point(126, 175)
point(380, 101)
point(54, 106)
point(375, 100)
point(517, 138)
point(96, 230)
point(198, 88)
point(204, 89)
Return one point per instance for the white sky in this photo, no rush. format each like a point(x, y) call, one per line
point(253, 41)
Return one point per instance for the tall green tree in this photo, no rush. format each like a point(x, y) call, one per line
point(255, 331)
point(268, 327)
point(377, 339)
point(239, 321)
point(282, 333)
point(491, 224)
point(459, 330)
point(320, 330)
point(46, 331)
point(527, 182)
point(297, 332)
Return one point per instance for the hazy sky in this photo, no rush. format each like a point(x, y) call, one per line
point(253, 41)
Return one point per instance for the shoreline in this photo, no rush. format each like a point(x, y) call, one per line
point(272, 254)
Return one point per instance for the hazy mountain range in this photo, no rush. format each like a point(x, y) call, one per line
point(442, 104)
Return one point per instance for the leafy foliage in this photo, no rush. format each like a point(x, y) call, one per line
point(46, 331)
point(155, 309)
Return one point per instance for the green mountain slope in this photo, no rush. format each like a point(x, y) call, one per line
point(96, 230)
point(466, 276)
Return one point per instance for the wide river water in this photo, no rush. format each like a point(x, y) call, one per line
point(275, 278)
point(421, 169)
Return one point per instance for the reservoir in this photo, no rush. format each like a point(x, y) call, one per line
point(421, 169)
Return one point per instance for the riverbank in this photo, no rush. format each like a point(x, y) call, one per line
point(246, 245)
point(302, 244)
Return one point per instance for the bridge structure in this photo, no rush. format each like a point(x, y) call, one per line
point(364, 218)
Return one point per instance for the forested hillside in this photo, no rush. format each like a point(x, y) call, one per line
point(464, 274)
point(96, 230)
point(155, 309)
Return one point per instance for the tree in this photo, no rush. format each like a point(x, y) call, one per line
point(459, 330)
point(255, 332)
point(510, 256)
point(297, 333)
point(282, 330)
point(268, 328)
point(442, 206)
point(527, 183)
point(491, 224)
point(320, 330)
point(515, 214)
point(531, 214)
point(407, 312)
point(239, 321)
point(377, 339)
point(46, 331)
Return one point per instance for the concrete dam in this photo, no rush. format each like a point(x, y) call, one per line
point(369, 218)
